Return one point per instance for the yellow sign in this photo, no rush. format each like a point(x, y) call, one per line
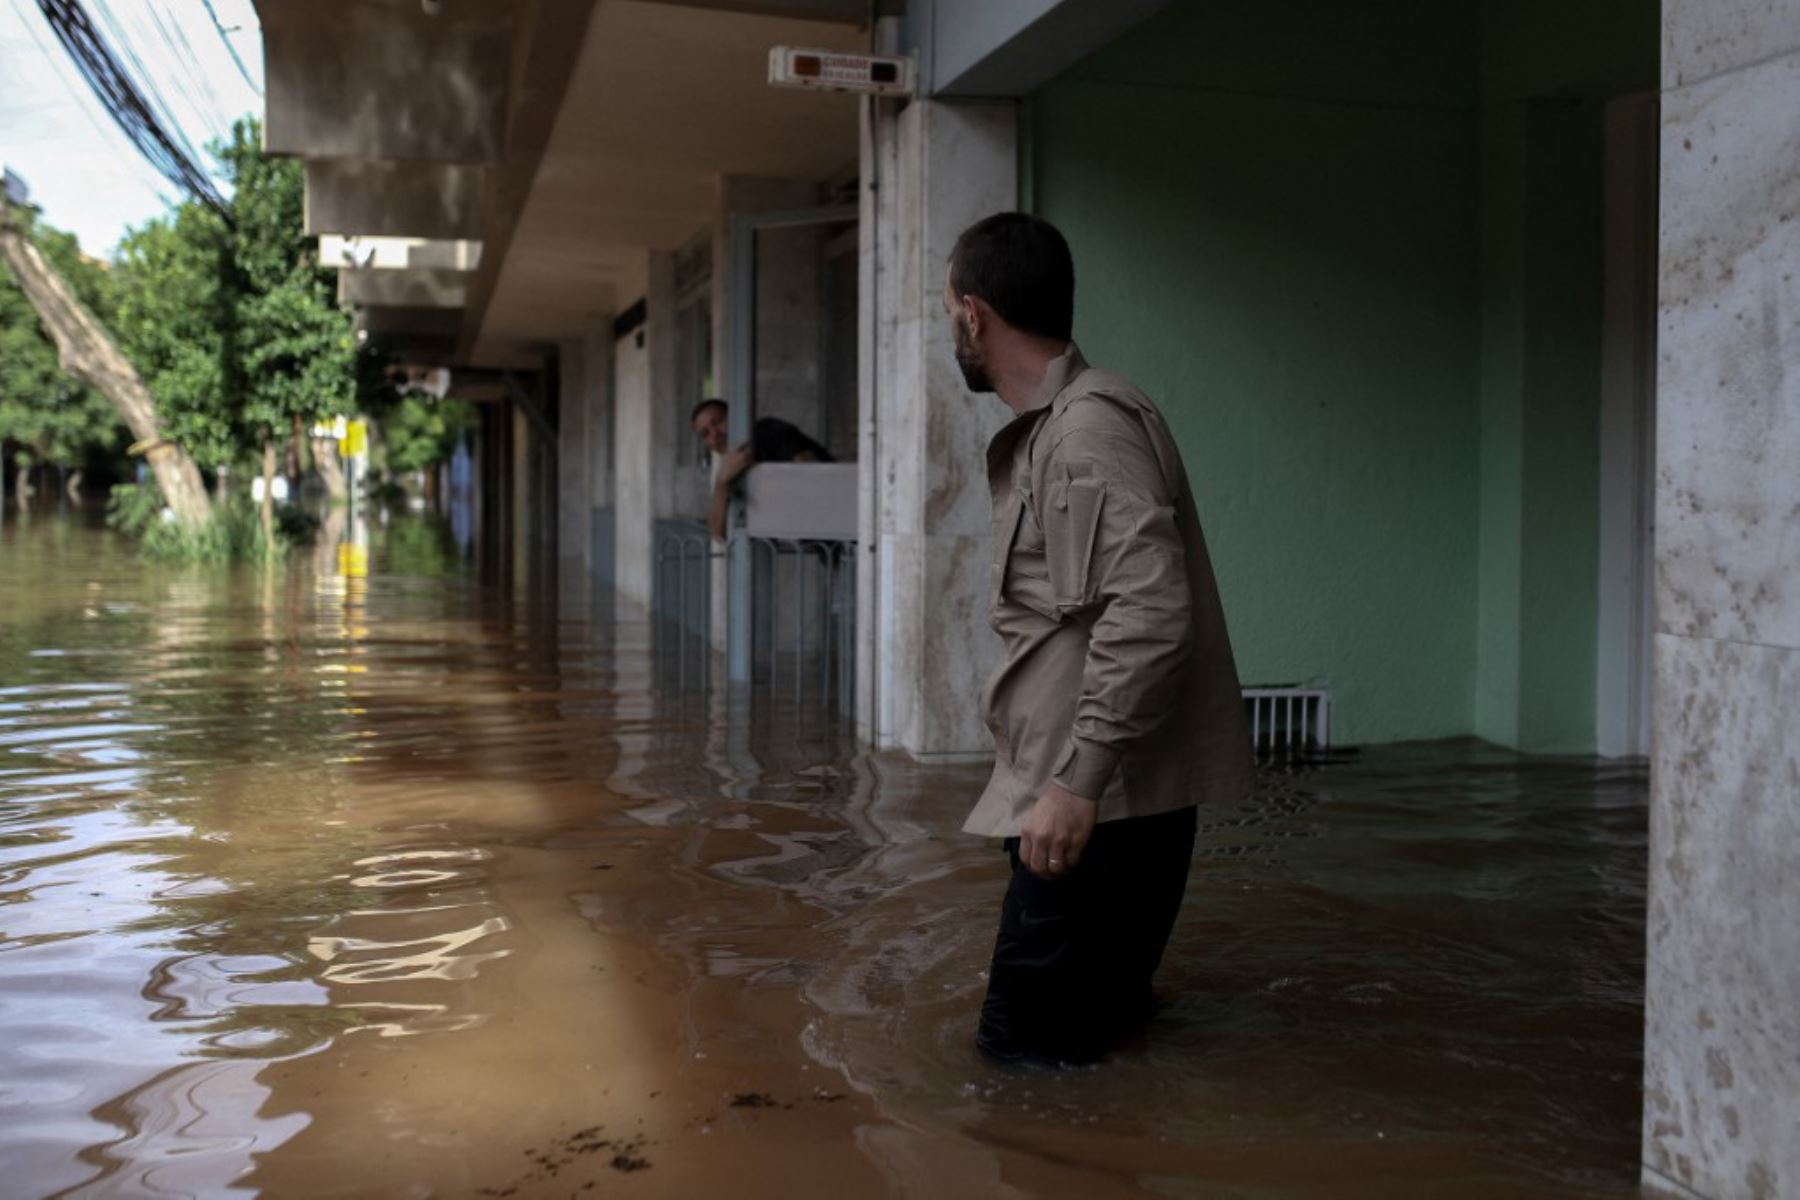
point(356, 438)
point(353, 560)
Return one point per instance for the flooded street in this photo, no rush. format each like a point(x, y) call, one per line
point(396, 886)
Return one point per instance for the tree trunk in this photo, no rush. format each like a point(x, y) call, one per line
point(73, 487)
point(268, 496)
point(221, 484)
point(331, 472)
point(22, 487)
point(89, 354)
point(296, 459)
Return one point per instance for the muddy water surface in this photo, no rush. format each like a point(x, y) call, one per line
point(402, 886)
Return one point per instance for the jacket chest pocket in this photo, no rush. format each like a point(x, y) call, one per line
point(1021, 574)
point(1071, 529)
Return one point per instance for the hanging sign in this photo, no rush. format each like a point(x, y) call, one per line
point(830, 71)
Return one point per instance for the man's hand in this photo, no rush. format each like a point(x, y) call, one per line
point(736, 463)
point(1055, 832)
point(731, 466)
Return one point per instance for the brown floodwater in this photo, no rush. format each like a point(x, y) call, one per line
point(403, 886)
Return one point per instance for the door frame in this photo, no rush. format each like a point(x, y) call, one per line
point(740, 388)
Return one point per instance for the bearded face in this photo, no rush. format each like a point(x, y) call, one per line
point(969, 356)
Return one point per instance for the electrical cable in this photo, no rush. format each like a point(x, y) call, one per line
point(85, 107)
point(145, 80)
point(170, 153)
point(170, 31)
point(225, 36)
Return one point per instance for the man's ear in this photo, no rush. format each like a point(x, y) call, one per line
point(975, 313)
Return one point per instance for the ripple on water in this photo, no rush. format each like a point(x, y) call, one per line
point(252, 819)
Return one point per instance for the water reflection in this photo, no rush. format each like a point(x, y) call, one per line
point(324, 882)
point(189, 893)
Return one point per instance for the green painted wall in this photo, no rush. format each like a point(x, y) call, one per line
point(1542, 274)
point(1279, 249)
point(1545, 69)
point(1356, 262)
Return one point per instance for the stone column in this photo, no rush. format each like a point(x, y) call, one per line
point(1722, 1053)
point(924, 648)
point(523, 518)
point(645, 426)
point(574, 460)
point(633, 549)
point(597, 351)
point(665, 402)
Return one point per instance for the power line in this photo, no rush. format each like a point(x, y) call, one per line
point(170, 153)
point(182, 55)
point(84, 107)
point(225, 37)
point(145, 81)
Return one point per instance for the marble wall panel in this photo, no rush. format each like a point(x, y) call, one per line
point(1722, 1078)
point(1728, 382)
point(1722, 1048)
point(961, 648)
point(1703, 38)
point(950, 165)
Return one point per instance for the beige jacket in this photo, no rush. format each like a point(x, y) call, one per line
point(1116, 678)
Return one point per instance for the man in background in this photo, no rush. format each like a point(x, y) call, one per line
point(771, 440)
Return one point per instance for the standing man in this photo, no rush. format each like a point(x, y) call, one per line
point(1115, 708)
point(771, 440)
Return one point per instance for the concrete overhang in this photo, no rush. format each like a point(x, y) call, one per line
point(397, 254)
point(388, 79)
point(1012, 47)
point(663, 100)
point(395, 321)
point(393, 199)
point(843, 12)
point(422, 288)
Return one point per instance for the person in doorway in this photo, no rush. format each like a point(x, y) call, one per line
point(771, 440)
point(1115, 708)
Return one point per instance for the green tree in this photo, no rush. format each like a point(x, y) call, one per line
point(298, 351)
point(233, 321)
point(87, 350)
point(421, 432)
point(174, 315)
point(46, 415)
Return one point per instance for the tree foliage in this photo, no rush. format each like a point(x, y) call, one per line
point(174, 319)
point(45, 415)
point(421, 431)
point(233, 327)
point(232, 322)
point(297, 349)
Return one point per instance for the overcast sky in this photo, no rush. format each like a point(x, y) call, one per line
point(83, 172)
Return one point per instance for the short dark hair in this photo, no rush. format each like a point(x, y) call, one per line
point(710, 402)
point(1019, 264)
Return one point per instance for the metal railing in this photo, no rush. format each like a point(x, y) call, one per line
point(802, 629)
point(803, 618)
point(682, 603)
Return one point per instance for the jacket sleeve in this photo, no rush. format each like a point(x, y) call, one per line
point(1117, 556)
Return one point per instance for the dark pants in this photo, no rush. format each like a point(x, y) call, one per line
point(1074, 957)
